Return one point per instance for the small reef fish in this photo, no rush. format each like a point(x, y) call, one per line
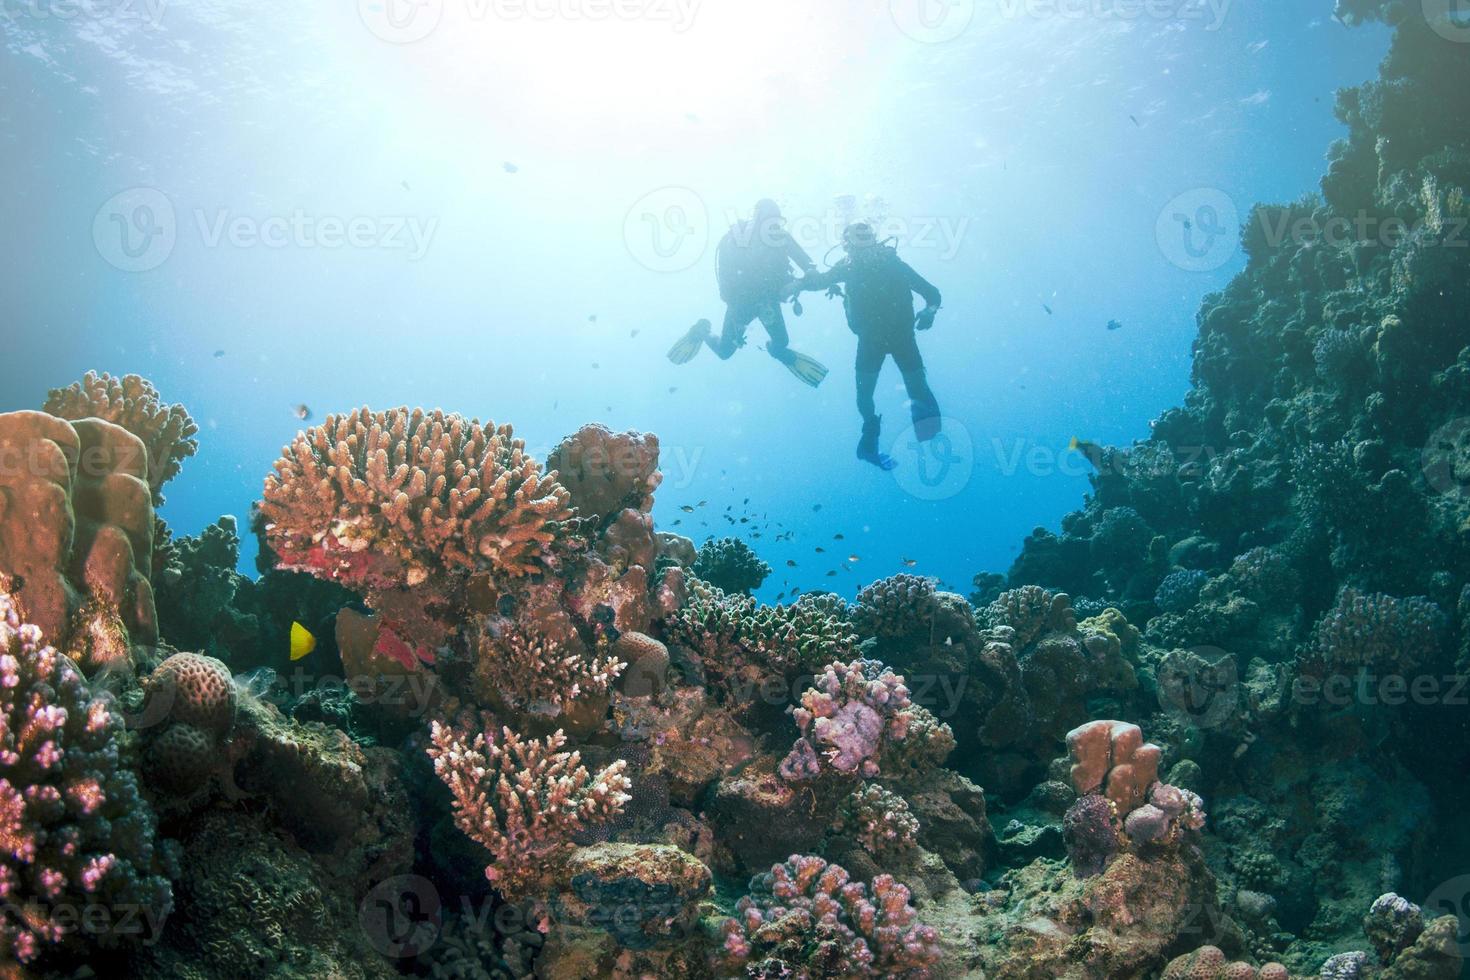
point(302, 641)
point(1047, 309)
point(687, 509)
point(1135, 121)
point(910, 562)
point(837, 537)
point(511, 168)
point(1114, 325)
point(592, 318)
point(854, 559)
point(219, 353)
point(791, 563)
point(816, 507)
point(1091, 450)
point(821, 550)
point(302, 412)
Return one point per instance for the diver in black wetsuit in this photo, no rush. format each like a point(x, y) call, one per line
point(754, 268)
point(880, 309)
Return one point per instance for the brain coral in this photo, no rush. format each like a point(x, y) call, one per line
point(167, 431)
point(77, 850)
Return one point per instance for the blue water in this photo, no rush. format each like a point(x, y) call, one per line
point(1036, 160)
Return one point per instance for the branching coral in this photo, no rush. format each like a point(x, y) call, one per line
point(806, 920)
point(77, 853)
point(1379, 632)
point(742, 644)
point(167, 431)
point(854, 711)
point(427, 489)
point(538, 673)
point(1031, 611)
point(896, 607)
point(879, 820)
point(523, 799)
point(404, 507)
point(729, 564)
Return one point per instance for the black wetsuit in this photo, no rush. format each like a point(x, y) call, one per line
point(755, 266)
point(879, 290)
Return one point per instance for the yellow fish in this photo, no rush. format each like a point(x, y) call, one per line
point(302, 641)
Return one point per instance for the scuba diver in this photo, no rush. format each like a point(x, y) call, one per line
point(753, 268)
point(879, 303)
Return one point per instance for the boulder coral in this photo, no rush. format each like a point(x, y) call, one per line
point(76, 534)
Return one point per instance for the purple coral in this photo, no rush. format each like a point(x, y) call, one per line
point(846, 719)
point(76, 838)
point(1090, 834)
point(1380, 632)
point(1170, 812)
point(805, 918)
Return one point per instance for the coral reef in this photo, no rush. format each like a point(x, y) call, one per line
point(79, 864)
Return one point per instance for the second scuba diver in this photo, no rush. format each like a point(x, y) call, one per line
point(754, 262)
point(879, 303)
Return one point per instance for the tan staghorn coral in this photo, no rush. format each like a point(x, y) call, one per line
point(167, 431)
point(523, 799)
point(529, 671)
point(426, 488)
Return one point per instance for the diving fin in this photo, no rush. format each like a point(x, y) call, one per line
point(806, 368)
point(683, 352)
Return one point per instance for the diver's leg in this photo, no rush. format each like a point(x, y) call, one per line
point(732, 335)
point(922, 403)
point(868, 366)
point(779, 346)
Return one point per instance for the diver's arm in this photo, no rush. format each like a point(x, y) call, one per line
point(798, 255)
point(822, 280)
point(923, 287)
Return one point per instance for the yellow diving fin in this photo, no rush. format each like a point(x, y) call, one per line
point(683, 352)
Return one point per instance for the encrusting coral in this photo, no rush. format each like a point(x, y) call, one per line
point(166, 432)
point(79, 864)
point(522, 799)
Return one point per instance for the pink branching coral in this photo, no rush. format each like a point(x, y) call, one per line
point(77, 851)
point(806, 920)
point(403, 507)
point(878, 820)
point(853, 712)
point(536, 672)
point(523, 799)
point(167, 431)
